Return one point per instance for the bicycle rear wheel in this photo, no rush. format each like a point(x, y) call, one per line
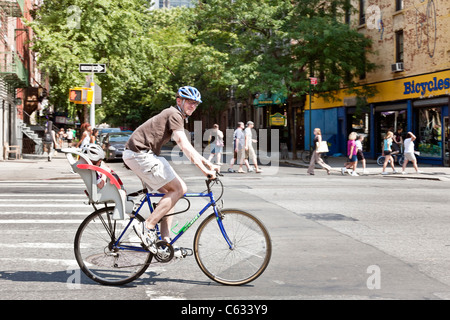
point(250, 253)
point(98, 255)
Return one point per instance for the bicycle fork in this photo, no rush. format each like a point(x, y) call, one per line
point(219, 219)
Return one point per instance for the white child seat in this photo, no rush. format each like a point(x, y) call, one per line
point(110, 193)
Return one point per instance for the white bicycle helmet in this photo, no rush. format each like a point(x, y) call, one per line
point(94, 152)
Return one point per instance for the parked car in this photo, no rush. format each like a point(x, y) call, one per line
point(102, 132)
point(114, 144)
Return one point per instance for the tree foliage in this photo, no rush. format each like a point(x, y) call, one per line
point(247, 46)
point(104, 31)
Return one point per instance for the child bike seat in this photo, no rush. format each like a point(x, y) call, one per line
point(110, 193)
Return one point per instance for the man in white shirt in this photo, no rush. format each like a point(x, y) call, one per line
point(249, 151)
point(409, 153)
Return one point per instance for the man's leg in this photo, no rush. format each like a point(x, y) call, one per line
point(173, 190)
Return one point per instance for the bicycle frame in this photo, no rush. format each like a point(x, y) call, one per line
point(187, 225)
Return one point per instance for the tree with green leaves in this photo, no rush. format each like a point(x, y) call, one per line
point(276, 45)
point(67, 33)
point(149, 54)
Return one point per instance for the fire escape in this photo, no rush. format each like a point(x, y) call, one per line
point(12, 69)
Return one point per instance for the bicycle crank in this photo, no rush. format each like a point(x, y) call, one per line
point(164, 251)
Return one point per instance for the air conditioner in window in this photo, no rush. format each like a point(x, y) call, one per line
point(397, 67)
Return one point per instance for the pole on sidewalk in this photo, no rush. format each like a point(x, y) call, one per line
point(92, 111)
point(310, 117)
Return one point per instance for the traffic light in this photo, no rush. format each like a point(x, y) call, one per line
point(80, 95)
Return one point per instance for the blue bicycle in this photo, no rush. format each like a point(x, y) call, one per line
point(231, 246)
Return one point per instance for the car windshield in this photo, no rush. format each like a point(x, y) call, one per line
point(119, 138)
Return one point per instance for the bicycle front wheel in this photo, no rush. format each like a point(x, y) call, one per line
point(250, 250)
point(306, 156)
point(380, 160)
point(102, 257)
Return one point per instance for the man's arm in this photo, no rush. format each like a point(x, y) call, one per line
point(192, 154)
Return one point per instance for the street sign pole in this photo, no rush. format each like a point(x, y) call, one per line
point(312, 81)
point(92, 68)
point(92, 111)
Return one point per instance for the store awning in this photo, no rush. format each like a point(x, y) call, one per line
point(265, 99)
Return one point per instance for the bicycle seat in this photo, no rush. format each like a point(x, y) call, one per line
point(110, 193)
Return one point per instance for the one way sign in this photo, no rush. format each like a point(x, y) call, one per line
point(92, 67)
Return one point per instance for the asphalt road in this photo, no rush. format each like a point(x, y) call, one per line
point(334, 237)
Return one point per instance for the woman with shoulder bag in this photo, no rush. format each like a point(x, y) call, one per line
point(315, 156)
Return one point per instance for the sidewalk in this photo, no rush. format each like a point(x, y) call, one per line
point(429, 171)
point(36, 167)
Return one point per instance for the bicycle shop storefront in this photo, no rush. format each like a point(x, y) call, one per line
point(419, 104)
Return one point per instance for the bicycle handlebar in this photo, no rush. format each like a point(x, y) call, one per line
point(217, 176)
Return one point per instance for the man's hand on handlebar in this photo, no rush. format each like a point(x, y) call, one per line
point(213, 172)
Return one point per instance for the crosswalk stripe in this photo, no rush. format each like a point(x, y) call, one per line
point(49, 213)
point(65, 262)
point(43, 245)
point(44, 185)
point(38, 221)
point(65, 195)
point(43, 200)
point(36, 205)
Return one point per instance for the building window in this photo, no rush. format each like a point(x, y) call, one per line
point(362, 12)
point(429, 133)
point(388, 118)
point(359, 122)
point(399, 46)
point(398, 5)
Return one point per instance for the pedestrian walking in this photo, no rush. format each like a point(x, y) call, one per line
point(61, 135)
point(249, 150)
point(315, 156)
point(409, 152)
point(94, 136)
point(49, 140)
point(238, 148)
point(69, 137)
point(352, 151)
point(360, 153)
point(387, 150)
point(216, 145)
point(85, 136)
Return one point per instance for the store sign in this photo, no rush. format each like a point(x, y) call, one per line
point(60, 119)
point(426, 86)
point(265, 102)
point(416, 87)
point(277, 119)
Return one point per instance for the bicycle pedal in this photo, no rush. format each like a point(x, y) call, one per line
point(186, 252)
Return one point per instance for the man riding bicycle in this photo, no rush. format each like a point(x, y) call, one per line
point(142, 156)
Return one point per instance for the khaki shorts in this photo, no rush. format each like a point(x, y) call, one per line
point(154, 171)
point(410, 156)
point(239, 156)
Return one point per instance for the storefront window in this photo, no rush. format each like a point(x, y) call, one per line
point(389, 121)
point(429, 133)
point(360, 124)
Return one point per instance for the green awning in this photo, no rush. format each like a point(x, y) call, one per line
point(265, 99)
